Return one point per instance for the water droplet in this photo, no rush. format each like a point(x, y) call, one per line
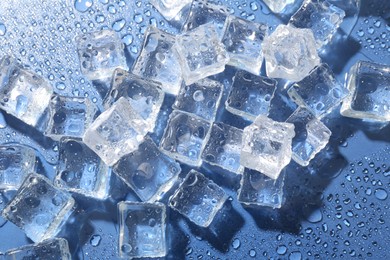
point(3, 29)
point(236, 243)
point(296, 255)
point(138, 18)
point(127, 39)
point(83, 5)
point(95, 240)
point(252, 253)
point(119, 24)
point(380, 194)
point(281, 250)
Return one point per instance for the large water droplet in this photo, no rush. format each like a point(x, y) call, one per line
point(83, 5)
point(380, 194)
point(95, 240)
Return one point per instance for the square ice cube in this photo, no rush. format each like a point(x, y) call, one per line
point(142, 228)
point(198, 198)
point(69, 116)
point(201, 98)
point(81, 171)
point(146, 97)
point(201, 53)
point(158, 61)
point(258, 189)
point(311, 136)
point(320, 92)
point(51, 249)
point(278, 6)
point(23, 93)
point(185, 137)
point(39, 208)
point(243, 41)
point(266, 146)
point(116, 132)
point(368, 83)
point(321, 17)
point(16, 162)
point(170, 8)
point(250, 95)
point(224, 147)
point(100, 53)
point(290, 53)
point(147, 171)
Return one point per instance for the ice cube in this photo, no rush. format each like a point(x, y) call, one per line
point(146, 97)
point(320, 92)
point(243, 41)
point(224, 146)
point(311, 136)
point(116, 132)
point(170, 8)
point(198, 198)
point(69, 116)
point(368, 83)
point(23, 93)
point(39, 208)
point(185, 137)
point(52, 249)
point(278, 6)
point(201, 53)
point(258, 189)
point(148, 172)
point(81, 171)
point(266, 146)
point(142, 228)
point(100, 53)
point(250, 95)
point(201, 98)
point(290, 53)
point(16, 162)
point(158, 61)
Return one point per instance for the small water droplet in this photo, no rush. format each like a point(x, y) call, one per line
point(236, 243)
point(281, 250)
point(83, 5)
point(95, 240)
point(3, 29)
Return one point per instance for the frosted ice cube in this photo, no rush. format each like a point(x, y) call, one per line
point(142, 230)
point(16, 162)
point(81, 171)
point(158, 61)
point(201, 53)
point(100, 53)
point(170, 8)
point(368, 83)
point(201, 98)
point(250, 95)
point(243, 41)
point(278, 6)
point(266, 146)
point(198, 198)
point(116, 132)
point(39, 208)
point(320, 92)
point(185, 137)
point(23, 93)
point(311, 136)
point(290, 53)
point(147, 171)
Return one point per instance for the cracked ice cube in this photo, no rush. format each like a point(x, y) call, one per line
point(170, 8)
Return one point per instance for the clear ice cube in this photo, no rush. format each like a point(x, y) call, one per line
point(266, 146)
point(290, 53)
point(278, 6)
point(198, 198)
point(170, 8)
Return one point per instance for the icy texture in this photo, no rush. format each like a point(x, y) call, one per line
point(368, 84)
point(100, 53)
point(158, 61)
point(266, 146)
point(243, 41)
point(146, 97)
point(170, 8)
point(278, 6)
point(69, 116)
point(116, 132)
point(258, 189)
point(142, 228)
point(39, 208)
point(185, 137)
point(201, 98)
point(80, 170)
point(250, 95)
point(201, 53)
point(311, 136)
point(53, 249)
point(148, 172)
point(16, 162)
point(23, 93)
point(198, 198)
point(319, 92)
point(290, 53)
point(321, 17)
point(224, 146)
